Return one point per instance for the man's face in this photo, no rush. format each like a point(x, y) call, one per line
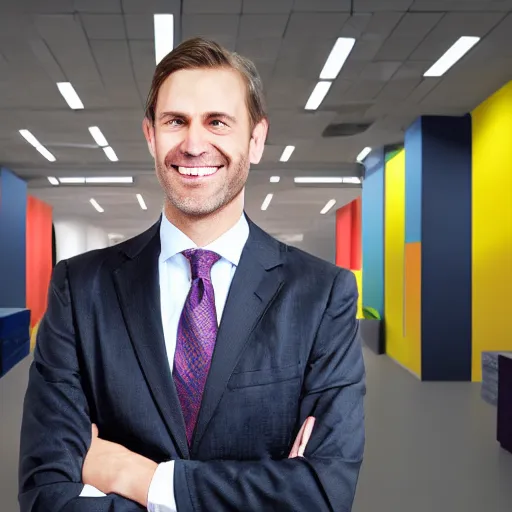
point(201, 140)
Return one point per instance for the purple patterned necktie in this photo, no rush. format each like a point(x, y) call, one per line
point(197, 333)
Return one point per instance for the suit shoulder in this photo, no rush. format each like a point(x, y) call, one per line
point(309, 263)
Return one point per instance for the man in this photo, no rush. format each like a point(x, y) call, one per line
point(175, 370)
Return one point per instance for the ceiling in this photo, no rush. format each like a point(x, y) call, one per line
point(105, 49)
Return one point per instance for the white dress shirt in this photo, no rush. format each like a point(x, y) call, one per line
point(175, 281)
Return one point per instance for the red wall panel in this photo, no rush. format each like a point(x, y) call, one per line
point(39, 256)
point(348, 235)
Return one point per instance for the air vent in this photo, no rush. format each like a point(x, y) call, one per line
point(345, 129)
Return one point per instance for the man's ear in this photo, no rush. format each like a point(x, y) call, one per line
point(257, 143)
point(149, 132)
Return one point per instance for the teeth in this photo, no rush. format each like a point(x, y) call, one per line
point(197, 171)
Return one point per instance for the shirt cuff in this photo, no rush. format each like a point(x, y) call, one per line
point(161, 491)
point(91, 492)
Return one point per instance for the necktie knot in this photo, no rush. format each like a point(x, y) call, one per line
point(201, 262)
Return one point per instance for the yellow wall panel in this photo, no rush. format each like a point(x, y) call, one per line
point(359, 280)
point(394, 254)
point(413, 305)
point(492, 226)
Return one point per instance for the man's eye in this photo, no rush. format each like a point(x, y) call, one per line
point(217, 123)
point(175, 122)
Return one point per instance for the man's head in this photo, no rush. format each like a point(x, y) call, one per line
point(205, 124)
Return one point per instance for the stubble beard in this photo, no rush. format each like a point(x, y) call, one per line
point(226, 193)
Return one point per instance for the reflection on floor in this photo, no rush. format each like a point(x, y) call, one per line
point(431, 447)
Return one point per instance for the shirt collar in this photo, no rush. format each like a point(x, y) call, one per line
point(229, 246)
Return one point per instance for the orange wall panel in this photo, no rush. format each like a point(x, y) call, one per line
point(39, 256)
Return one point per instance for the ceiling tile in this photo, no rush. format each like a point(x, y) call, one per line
point(380, 5)
point(103, 26)
point(98, 6)
point(212, 7)
point(462, 5)
point(381, 70)
point(311, 26)
point(450, 28)
point(322, 5)
point(140, 26)
point(267, 6)
point(152, 6)
point(259, 26)
point(259, 49)
point(50, 7)
point(218, 27)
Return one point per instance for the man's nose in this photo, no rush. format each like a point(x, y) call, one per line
point(195, 142)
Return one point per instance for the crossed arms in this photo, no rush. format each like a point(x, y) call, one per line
point(56, 432)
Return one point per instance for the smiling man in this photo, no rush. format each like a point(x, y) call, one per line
point(201, 365)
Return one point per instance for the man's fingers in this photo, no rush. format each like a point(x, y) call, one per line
point(308, 429)
point(295, 448)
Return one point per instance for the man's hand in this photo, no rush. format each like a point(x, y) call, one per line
point(302, 438)
point(113, 469)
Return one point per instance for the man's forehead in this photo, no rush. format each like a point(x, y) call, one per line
point(207, 90)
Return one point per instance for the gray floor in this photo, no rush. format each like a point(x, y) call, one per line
point(430, 446)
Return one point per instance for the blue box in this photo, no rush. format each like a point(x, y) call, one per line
point(14, 337)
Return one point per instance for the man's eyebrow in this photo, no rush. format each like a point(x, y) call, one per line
point(221, 115)
point(163, 115)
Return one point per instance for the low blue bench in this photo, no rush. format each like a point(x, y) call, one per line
point(14, 337)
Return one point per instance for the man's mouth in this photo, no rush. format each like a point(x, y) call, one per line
point(196, 171)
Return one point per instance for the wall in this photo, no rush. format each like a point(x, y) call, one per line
point(373, 232)
point(492, 226)
point(39, 256)
point(348, 243)
point(13, 213)
point(73, 237)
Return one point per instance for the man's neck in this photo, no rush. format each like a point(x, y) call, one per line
point(205, 230)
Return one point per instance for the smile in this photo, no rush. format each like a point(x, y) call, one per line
point(196, 171)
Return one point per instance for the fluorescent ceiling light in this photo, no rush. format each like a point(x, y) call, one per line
point(103, 180)
point(111, 154)
point(72, 181)
point(287, 153)
point(266, 203)
point(275, 179)
point(318, 180)
point(339, 54)
point(30, 138)
point(452, 55)
point(70, 95)
point(353, 180)
point(34, 142)
point(53, 181)
point(97, 206)
point(164, 35)
point(317, 96)
point(46, 153)
point(142, 203)
point(364, 153)
point(98, 137)
point(328, 206)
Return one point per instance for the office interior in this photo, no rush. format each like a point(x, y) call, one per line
point(389, 154)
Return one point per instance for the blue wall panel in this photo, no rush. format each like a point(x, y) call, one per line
point(373, 231)
point(446, 248)
point(13, 215)
point(413, 166)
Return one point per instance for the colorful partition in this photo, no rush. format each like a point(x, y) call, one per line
point(492, 226)
point(348, 243)
point(39, 256)
point(373, 232)
point(13, 213)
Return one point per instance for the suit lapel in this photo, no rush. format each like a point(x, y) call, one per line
point(137, 284)
point(255, 284)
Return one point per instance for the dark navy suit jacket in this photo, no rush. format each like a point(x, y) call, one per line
point(287, 348)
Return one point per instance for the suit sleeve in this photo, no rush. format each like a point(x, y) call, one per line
point(325, 479)
point(56, 427)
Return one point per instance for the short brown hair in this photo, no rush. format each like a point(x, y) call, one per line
point(200, 53)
